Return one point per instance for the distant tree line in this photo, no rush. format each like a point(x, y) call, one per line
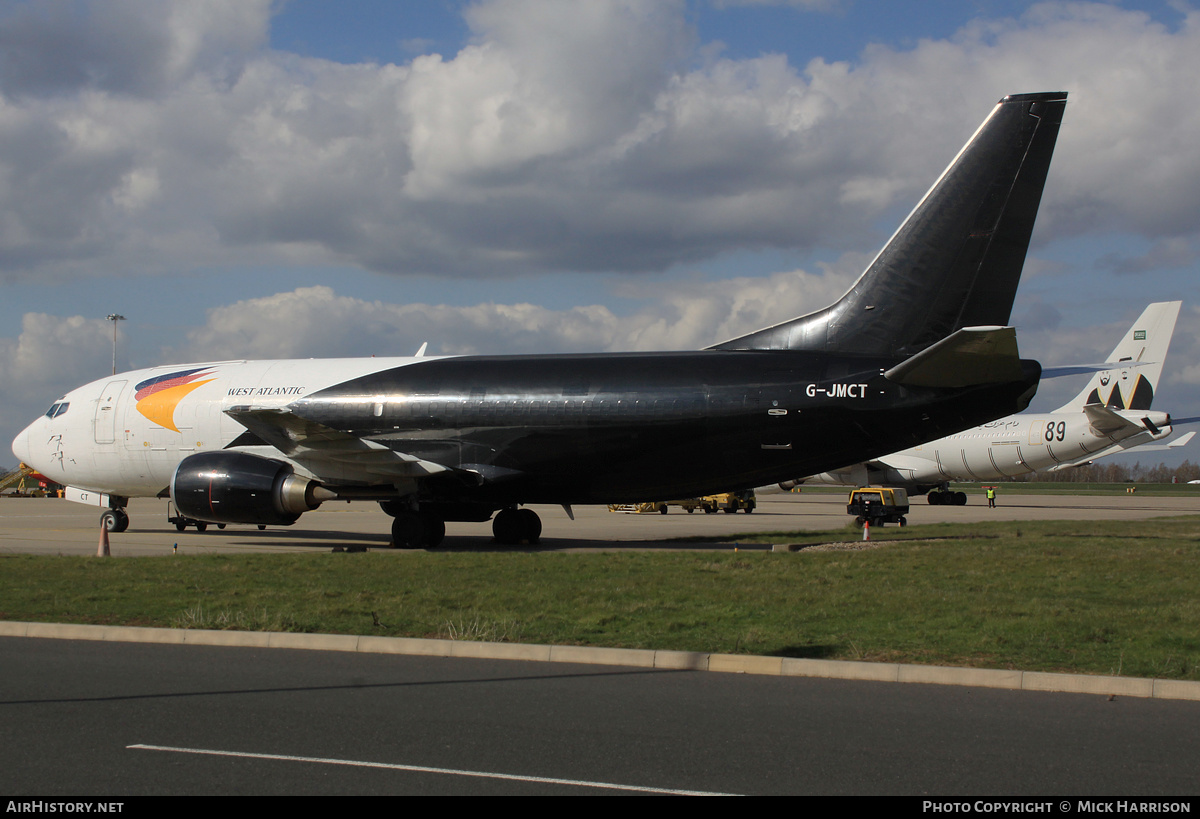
point(1108, 472)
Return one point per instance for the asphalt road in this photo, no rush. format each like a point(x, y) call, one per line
point(121, 719)
point(47, 526)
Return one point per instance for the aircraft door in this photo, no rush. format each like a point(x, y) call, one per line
point(1049, 433)
point(106, 412)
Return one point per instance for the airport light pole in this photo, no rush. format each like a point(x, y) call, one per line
point(114, 318)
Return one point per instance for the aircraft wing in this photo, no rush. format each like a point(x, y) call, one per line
point(316, 444)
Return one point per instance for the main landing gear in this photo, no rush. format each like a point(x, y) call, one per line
point(945, 497)
point(425, 528)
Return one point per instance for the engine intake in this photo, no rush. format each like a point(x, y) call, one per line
point(236, 487)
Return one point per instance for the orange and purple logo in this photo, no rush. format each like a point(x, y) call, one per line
point(157, 397)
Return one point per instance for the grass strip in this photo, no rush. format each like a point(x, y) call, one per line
point(1018, 487)
point(1102, 598)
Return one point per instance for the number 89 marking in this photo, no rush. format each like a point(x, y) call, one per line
point(1056, 432)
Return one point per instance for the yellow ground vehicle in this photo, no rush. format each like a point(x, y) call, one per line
point(729, 502)
point(878, 505)
point(639, 508)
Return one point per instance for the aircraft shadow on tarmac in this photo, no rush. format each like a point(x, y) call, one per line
point(357, 541)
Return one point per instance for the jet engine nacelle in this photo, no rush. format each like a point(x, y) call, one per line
point(236, 487)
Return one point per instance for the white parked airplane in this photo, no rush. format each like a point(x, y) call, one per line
point(1111, 415)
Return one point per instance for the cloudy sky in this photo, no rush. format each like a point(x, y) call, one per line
point(298, 178)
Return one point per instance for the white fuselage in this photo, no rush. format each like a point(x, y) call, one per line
point(108, 439)
point(1007, 448)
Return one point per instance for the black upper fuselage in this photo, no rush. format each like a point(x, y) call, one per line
point(625, 427)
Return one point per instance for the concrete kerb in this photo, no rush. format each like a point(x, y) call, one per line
point(841, 670)
point(1084, 684)
point(682, 660)
point(1176, 690)
point(639, 658)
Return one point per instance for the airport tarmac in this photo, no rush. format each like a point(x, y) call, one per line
point(52, 526)
point(86, 717)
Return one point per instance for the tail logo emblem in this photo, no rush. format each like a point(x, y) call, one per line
point(1138, 399)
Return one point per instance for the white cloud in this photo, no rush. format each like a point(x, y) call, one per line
point(316, 322)
point(807, 5)
point(50, 356)
point(125, 47)
point(594, 137)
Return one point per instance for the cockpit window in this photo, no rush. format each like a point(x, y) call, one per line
point(57, 409)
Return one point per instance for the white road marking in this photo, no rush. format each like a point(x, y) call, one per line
point(423, 769)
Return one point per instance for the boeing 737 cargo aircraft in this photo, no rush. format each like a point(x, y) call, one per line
point(1111, 415)
point(917, 349)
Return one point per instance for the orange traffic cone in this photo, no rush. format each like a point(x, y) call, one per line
point(866, 530)
point(102, 546)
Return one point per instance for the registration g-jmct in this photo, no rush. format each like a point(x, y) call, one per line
point(837, 391)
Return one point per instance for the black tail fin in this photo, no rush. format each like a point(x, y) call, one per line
point(956, 260)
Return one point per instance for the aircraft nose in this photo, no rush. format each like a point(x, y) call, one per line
point(20, 445)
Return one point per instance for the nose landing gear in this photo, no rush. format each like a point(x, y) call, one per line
point(511, 526)
point(115, 520)
point(417, 530)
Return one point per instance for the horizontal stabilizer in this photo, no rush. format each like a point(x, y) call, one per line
point(1105, 421)
point(965, 358)
point(1088, 369)
point(1182, 440)
point(1137, 442)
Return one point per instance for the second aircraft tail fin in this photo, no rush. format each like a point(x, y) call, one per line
point(1137, 363)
